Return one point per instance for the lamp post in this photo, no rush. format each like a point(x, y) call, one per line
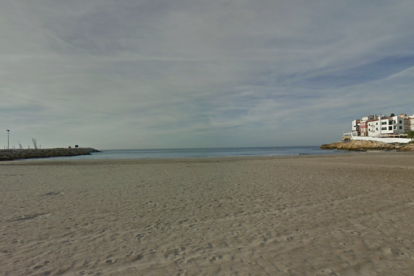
point(8, 135)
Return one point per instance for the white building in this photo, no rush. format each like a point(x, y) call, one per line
point(385, 126)
point(411, 120)
point(356, 128)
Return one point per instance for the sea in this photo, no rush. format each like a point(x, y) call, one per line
point(203, 152)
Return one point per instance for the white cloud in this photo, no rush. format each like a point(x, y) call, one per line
point(145, 74)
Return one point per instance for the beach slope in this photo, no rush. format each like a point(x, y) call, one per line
point(310, 215)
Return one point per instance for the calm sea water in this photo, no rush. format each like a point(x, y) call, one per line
point(206, 152)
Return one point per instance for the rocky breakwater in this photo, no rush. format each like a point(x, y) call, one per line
point(368, 145)
point(13, 154)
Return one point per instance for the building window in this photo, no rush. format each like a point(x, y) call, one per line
point(377, 128)
point(384, 128)
point(400, 127)
point(376, 123)
point(395, 127)
point(384, 123)
point(400, 122)
point(390, 128)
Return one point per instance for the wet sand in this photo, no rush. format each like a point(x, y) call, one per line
point(309, 215)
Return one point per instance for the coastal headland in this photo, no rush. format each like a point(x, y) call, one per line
point(13, 154)
point(338, 214)
point(368, 145)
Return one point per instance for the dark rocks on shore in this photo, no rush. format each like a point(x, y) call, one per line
point(368, 145)
point(13, 154)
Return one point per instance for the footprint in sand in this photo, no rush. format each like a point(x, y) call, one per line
point(137, 257)
point(54, 193)
point(139, 236)
point(30, 216)
point(386, 251)
point(110, 261)
point(130, 254)
point(327, 271)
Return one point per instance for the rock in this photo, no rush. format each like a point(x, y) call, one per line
point(43, 153)
point(407, 147)
point(368, 145)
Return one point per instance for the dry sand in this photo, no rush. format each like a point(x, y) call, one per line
point(309, 215)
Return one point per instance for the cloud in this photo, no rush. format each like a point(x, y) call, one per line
point(157, 74)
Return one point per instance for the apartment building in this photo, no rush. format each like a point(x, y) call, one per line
point(356, 128)
point(411, 122)
point(385, 126)
point(375, 126)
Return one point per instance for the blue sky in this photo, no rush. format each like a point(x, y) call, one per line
point(176, 74)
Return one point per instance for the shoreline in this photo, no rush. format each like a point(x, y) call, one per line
point(51, 161)
point(201, 153)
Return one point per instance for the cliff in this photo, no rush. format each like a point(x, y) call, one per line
point(368, 145)
point(13, 154)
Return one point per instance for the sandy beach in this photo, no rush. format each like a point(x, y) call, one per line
point(350, 214)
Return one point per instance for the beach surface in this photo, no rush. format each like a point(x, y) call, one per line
point(349, 214)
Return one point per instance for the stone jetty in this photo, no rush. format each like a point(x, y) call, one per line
point(13, 154)
point(368, 145)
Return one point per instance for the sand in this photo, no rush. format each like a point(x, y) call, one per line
point(349, 214)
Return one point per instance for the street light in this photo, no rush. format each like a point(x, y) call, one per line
point(8, 134)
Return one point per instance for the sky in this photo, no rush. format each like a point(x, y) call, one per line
point(141, 74)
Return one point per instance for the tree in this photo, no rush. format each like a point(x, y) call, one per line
point(392, 115)
point(410, 134)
